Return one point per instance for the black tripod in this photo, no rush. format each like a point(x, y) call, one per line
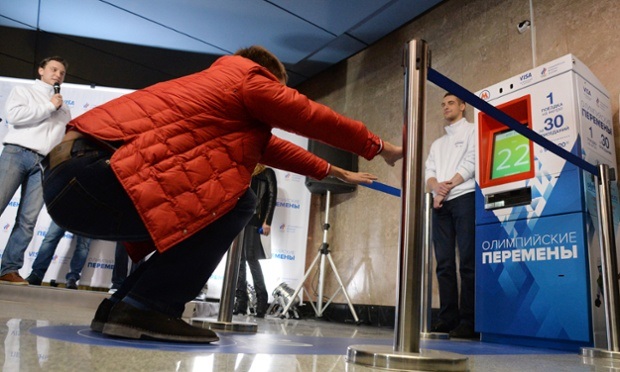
point(324, 252)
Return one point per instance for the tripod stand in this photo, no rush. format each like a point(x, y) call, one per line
point(324, 253)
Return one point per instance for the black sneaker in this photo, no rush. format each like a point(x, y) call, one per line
point(240, 309)
point(130, 322)
point(261, 310)
point(71, 284)
point(101, 315)
point(464, 330)
point(34, 280)
point(441, 327)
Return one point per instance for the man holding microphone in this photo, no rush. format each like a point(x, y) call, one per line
point(36, 119)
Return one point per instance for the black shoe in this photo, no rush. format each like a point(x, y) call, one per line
point(71, 284)
point(34, 280)
point(464, 330)
point(261, 310)
point(101, 315)
point(130, 322)
point(441, 327)
point(241, 309)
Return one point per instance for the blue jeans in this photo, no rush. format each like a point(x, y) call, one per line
point(20, 167)
point(48, 248)
point(84, 196)
point(454, 224)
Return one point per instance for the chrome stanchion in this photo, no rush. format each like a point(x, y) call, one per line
point(227, 298)
point(609, 264)
point(406, 353)
point(426, 298)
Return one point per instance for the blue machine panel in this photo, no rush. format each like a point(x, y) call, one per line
point(530, 282)
point(537, 251)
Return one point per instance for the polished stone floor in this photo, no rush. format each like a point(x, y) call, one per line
point(46, 329)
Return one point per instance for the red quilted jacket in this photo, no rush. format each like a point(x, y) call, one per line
point(189, 145)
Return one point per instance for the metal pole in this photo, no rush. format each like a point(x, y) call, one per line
point(407, 336)
point(608, 258)
point(426, 298)
point(406, 353)
point(609, 263)
point(319, 300)
point(426, 281)
point(227, 297)
point(231, 275)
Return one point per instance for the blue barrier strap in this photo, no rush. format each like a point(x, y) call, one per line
point(452, 87)
point(383, 188)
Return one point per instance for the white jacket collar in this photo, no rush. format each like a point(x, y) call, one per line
point(43, 86)
point(455, 127)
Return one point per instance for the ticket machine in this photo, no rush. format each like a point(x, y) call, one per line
point(537, 250)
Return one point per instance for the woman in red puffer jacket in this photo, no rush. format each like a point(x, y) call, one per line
point(168, 168)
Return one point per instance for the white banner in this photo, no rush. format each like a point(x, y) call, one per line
point(289, 229)
point(289, 232)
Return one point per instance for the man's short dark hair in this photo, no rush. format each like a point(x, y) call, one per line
point(452, 94)
point(266, 59)
point(45, 61)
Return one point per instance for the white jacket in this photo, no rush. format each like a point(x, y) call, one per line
point(33, 121)
point(452, 153)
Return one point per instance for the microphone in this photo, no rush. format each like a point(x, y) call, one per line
point(56, 88)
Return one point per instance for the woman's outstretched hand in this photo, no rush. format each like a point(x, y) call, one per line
point(351, 177)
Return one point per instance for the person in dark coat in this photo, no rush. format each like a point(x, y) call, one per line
point(265, 186)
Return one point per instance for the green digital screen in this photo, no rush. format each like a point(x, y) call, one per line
point(511, 154)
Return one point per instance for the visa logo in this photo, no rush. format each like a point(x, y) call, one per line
point(587, 91)
point(526, 76)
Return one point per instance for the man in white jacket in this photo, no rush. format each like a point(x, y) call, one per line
point(450, 175)
point(36, 119)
